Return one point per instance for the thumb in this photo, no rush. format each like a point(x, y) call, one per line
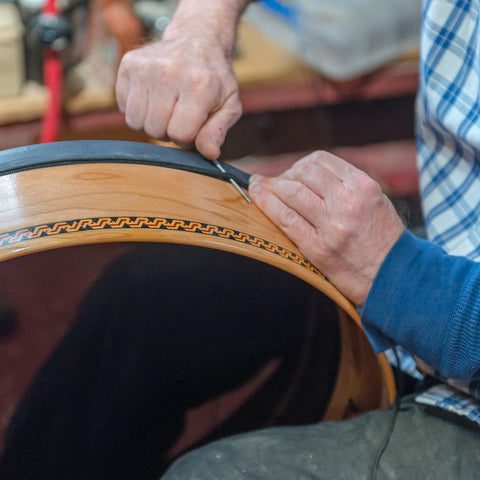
point(213, 132)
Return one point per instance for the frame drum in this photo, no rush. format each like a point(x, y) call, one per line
point(112, 193)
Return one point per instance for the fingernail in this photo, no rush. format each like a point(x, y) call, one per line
point(255, 178)
point(255, 187)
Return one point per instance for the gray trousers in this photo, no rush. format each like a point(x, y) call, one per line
point(421, 447)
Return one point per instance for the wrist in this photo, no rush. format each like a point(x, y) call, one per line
point(212, 23)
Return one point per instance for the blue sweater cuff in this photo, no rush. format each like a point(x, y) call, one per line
point(428, 302)
point(377, 314)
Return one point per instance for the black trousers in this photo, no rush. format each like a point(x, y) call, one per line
point(166, 328)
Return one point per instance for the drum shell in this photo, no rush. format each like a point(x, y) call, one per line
point(107, 202)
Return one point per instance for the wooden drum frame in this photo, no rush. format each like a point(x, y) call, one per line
point(89, 192)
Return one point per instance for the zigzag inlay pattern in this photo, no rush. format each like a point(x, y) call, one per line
point(102, 223)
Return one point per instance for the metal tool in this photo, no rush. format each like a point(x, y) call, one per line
point(232, 181)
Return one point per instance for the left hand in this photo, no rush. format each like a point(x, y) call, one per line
point(337, 216)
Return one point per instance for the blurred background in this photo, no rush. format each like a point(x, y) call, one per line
point(313, 74)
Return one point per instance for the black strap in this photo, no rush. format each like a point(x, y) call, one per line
point(112, 151)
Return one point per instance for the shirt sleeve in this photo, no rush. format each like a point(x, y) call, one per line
point(429, 303)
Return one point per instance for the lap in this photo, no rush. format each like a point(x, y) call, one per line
point(421, 446)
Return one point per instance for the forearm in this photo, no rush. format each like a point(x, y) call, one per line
point(213, 21)
point(428, 302)
point(183, 88)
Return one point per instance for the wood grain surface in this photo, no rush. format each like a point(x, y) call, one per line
point(55, 207)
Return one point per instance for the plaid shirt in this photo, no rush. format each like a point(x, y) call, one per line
point(448, 124)
point(448, 131)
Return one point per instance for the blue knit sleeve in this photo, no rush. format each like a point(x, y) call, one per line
point(429, 303)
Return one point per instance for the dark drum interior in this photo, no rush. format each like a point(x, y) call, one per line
point(290, 383)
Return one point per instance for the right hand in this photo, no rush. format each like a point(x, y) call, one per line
point(180, 89)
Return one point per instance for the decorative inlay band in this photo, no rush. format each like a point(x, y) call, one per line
point(153, 223)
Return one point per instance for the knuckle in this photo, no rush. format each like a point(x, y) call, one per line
point(341, 235)
point(143, 65)
point(300, 170)
point(369, 186)
point(302, 196)
point(319, 156)
point(200, 77)
point(287, 217)
point(201, 81)
point(297, 189)
point(352, 206)
point(165, 66)
point(127, 62)
point(303, 166)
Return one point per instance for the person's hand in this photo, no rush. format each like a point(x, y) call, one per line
point(180, 89)
point(337, 216)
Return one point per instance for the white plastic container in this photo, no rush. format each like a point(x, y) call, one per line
point(343, 39)
point(12, 71)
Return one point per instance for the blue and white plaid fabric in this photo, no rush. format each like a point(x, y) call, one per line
point(448, 135)
point(446, 398)
point(448, 124)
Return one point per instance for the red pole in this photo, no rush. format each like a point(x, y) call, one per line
point(52, 74)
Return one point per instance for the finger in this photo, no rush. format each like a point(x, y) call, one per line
point(212, 134)
point(298, 197)
point(299, 230)
point(122, 85)
point(187, 118)
point(159, 112)
point(320, 180)
point(199, 96)
point(136, 107)
point(338, 167)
